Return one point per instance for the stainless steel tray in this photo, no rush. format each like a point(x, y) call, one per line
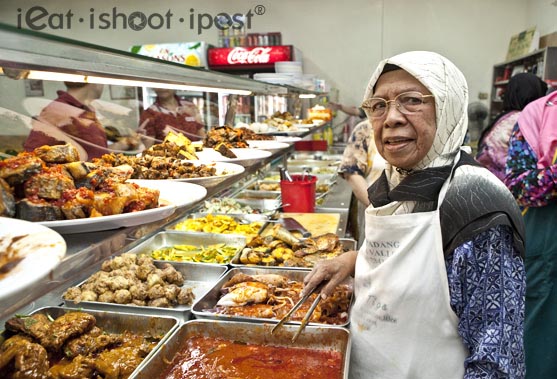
point(119, 322)
point(210, 299)
point(257, 195)
point(243, 218)
point(314, 337)
point(200, 277)
point(175, 237)
point(312, 164)
point(321, 178)
point(316, 155)
point(263, 206)
point(347, 244)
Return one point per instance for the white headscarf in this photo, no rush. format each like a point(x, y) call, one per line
point(447, 83)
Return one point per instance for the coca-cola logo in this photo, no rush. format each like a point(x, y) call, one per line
point(240, 55)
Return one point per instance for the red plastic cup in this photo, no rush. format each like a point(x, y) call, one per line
point(299, 195)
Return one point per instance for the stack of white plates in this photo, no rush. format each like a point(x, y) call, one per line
point(288, 67)
point(288, 79)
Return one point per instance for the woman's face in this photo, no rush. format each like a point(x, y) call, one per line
point(403, 139)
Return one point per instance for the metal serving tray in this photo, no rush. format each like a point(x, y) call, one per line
point(200, 277)
point(210, 299)
point(315, 155)
point(242, 218)
point(321, 178)
point(257, 195)
point(347, 244)
point(119, 322)
point(175, 237)
point(312, 163)
point(313, 337)
point(264, 206)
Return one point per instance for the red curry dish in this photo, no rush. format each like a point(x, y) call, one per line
point(216, 358)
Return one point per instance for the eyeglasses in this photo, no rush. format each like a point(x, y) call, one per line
point(406, 103)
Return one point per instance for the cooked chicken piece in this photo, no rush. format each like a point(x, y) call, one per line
point(106, 297)
point(118, 283)
point(37, 325)
point(170, 275)
point(122, 361)
point(122, 297)
point(171, 292)
point(73, 294)
point(139, 291)
point(117, 263)
point(161, 302)
point(93, 341)
point(154, 279)
point(155, 292)
point(141, 303)
point(144, 260)
point(129, 259)
point(67, 326)
point(30, 359)
point(79, 367)
point(186, 296)
point(89, 296)
point(144, 270)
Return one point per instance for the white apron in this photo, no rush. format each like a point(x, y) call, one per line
point(401, 323)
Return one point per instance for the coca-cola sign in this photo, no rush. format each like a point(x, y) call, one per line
point(240, 55)
point(248, 57)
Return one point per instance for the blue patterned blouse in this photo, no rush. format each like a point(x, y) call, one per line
point(487, 286)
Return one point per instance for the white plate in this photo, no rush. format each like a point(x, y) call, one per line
point(224, 171)
point(172, 196)
point(245, 157)
point(267, 145)
point(42, 250)
point(288, 139)
point(298, 132)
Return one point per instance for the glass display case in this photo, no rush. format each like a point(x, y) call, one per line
point(108, 91)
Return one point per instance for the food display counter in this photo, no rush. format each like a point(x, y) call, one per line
point(23, 53)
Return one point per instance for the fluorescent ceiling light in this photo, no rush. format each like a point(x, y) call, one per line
point(57, 76)
point(307, 96)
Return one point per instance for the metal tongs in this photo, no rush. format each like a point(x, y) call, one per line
point(306, 318)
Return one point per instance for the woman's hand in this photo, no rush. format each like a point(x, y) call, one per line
point(330, 273)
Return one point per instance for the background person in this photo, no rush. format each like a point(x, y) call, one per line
point(170, 113)
point(72, 115)
point(493, 143)
point(360, 166)
point(439, 282)
point(531, 178)
point(349, 110)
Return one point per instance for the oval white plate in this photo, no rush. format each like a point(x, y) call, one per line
point(245, 157)
point(173, 195)
point(288, 139)
point(42, 250)
point(267, 145)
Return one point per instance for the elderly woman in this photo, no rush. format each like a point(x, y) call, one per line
point(439, 281)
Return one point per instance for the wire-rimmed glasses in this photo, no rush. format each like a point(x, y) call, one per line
point(406, 103)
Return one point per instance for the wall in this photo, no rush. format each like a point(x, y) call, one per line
point(340, 41)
